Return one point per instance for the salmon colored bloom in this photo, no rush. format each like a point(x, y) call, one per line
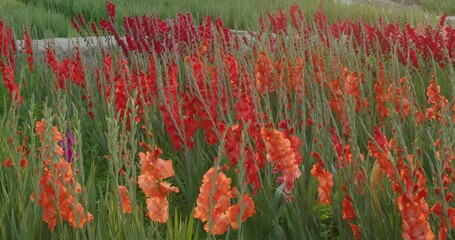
point(157, 208)
point(282, 156)
point(233, 212)
point(214, 202)
point(126, 203)
point(325, 179)
point(153, 171)
point(216, 198)
point(68, 208)
point(40, 127)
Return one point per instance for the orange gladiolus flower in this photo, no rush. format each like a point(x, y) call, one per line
point(382, 97)
point(221, 198)
point(282, 156)
point(40, 128)
point(414, 212)
point(126, 203)
point(58, 180)
point(233, 212)
point(382, 153)
point(154, 170)
point(214, 200)
point(437, 101)
point(264, 77)
point(157, 208)
point(325, 179)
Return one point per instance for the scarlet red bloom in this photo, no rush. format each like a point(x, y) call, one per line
point(348, 208)
point(356, 230)
point(24, 162)
point(8, 163)
point(28, 49)
point(8, 80)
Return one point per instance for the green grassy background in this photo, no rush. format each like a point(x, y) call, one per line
point(51, 18)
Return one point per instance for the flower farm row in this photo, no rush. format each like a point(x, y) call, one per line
point(311, 131)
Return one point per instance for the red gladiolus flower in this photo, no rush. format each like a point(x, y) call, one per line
point(348, 208)
point(28, 49)
point(8, 80)
point(297, 18)
point(356, 230)
point(8, 163)
point(24, 162)
point(279, 22)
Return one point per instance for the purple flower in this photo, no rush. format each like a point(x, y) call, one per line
point(67, 144)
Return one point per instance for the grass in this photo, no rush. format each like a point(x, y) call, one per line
point(107, 143)
point(41, 21)
point(439, 6)
point(51, 18)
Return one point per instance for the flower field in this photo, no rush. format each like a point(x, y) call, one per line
point(188, 130)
